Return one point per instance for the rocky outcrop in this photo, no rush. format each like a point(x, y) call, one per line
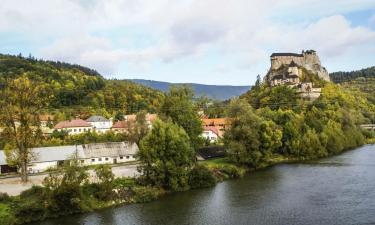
point(308, 60)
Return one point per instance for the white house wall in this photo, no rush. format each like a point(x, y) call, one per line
point(38, 167)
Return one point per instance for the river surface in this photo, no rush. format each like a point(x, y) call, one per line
point(338, 190)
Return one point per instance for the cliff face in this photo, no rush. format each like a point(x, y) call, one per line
point(308, 60)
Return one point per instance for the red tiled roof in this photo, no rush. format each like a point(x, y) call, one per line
point(215, 121)
point(72, 123)
point(46, 117)
point(120, 124)
point(149, 117)
point(213, 129)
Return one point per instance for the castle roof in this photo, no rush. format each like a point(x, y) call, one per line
point(286, 54)
point(293, 64)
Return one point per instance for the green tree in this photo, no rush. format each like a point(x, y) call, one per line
point(179, 106)
point(166, 156)
point(250, 140)
point(105, 179)
point(21, 102)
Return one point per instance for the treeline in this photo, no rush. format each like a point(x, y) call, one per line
point(275, 121)
point(339, 77)
point(78, 88)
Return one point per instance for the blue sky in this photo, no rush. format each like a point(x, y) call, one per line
point(210, 41)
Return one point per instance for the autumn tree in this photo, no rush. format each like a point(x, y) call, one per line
point(138, 129)
point(21, 101)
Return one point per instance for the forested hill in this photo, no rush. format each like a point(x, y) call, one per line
point(74, 87)
point(219, 92)
point(361, 81)
point(339, 77)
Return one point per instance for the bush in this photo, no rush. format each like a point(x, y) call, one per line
point(29, 211)
point(146, 194)
point(201, 177)
point(35, 191)
point(4, 197)
point(123, 182)
point(232, 171)
point(65, 200)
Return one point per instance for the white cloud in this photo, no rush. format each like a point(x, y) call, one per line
point(248, 30)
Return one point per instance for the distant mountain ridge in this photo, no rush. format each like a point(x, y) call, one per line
point(219, 92)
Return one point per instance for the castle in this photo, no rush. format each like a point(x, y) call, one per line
point(291, 69)
point(308, 60)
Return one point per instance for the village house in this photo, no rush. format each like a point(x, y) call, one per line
point(75, 126)
point(123, 125)
point(45, 158)
point(100, 124)
point(211, 134)
point(221, 124)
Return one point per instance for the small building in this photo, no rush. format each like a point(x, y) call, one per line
point(76, 126)
point(211, 152)
point(211, 134)
point(221, 124)
point(4, 167)
point(109, 153)
point(45, 158)
point(46, 120)
point(100, 124)
point(123, 125)
point(120, 127)
point(307, 91)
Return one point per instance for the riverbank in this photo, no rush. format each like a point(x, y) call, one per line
point(222, 169)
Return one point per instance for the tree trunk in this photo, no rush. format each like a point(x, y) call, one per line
point(24, 177)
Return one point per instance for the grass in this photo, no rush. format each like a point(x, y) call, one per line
point(211, 163)
point(5, 214)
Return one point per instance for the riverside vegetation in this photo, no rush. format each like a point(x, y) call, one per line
point(269, 126)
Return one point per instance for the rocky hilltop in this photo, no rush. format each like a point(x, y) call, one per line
point(283, 63)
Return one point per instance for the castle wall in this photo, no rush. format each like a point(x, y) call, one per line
point(308, 60)
point(278, 61)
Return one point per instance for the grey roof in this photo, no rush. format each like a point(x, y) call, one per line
point(110, 149)
point(56, 153)
point(59, 153)
point(286, 54)
point(48, 154)
point(97, 119)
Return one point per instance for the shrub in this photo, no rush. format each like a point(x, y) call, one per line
point(201, 177)
point(146, 194)
point(123, 182)
point(65, 200)
point(35, 191)
point(4, 197)
point(104, 185)
point(232, 171)
point(29, 211)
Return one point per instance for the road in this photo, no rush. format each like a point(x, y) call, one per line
point(13, 185)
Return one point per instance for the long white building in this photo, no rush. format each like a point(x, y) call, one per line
point(90, 154)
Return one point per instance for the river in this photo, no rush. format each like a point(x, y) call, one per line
point(337, 190)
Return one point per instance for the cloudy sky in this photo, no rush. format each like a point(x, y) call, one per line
point(203, 41)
